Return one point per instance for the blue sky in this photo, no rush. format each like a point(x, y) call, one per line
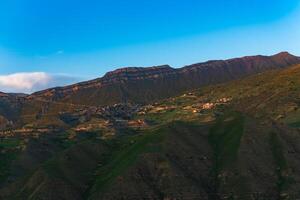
point(57, 42)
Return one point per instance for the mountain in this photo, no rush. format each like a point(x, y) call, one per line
point(144, 85)
point(197, 145)
point(237, 138)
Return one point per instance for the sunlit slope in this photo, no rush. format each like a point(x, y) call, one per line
point(274, 94)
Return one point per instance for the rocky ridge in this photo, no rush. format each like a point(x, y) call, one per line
point(163, 81)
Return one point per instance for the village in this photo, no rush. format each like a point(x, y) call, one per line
point(198, 106)
point(110, 120)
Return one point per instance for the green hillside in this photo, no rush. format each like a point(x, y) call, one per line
point(238, 140)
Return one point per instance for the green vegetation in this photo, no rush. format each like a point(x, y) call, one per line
point(293, 119)
point(63, 141)
point(164, 117)
point(202, 146)
point(9, 143)
point(8, 153)
point(124, 155)
point(225, 138)
point(280, 163)
point(295, 124)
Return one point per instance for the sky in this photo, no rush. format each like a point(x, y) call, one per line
point(54, 43)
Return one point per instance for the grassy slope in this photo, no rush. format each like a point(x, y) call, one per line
point(125, 155)
point(265, 95)
point(274, 94)
point(9, 151)
point(225, 137)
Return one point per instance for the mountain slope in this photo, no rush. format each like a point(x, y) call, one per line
point(195, 146)
point(274, 94)
point(10, 108)
point(144, 85)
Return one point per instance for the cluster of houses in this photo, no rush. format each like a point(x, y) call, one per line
point(152, 109)
point(211, 105)
point(196, 108)
point(201, 107)
point(108, 119)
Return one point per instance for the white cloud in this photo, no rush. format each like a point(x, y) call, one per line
point(24, 81)
point(33, 81)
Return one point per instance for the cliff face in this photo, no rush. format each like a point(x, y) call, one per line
point(138, 73)
point(142, 85)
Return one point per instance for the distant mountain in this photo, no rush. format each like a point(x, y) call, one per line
point(144, 85)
